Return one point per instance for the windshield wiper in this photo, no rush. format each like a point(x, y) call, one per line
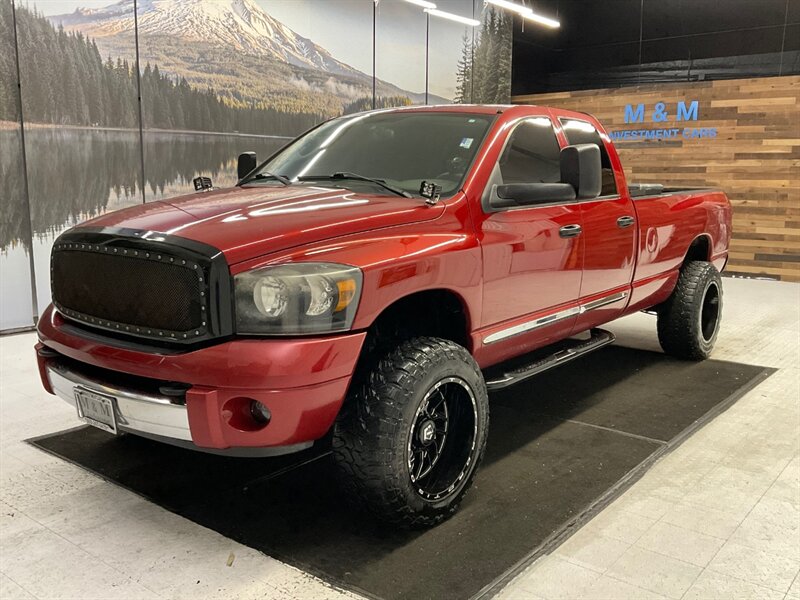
point(267, 175)
point(356, 176)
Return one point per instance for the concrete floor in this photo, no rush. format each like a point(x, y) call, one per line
point(720, 516)
point(717, 518)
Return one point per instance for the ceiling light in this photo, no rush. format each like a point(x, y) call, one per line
point(525, 12)
point(422, 3)
point(458, 18)
point(532, 16)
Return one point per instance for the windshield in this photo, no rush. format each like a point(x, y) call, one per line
point(402, 149)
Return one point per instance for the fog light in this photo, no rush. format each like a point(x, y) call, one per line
point(259, 412)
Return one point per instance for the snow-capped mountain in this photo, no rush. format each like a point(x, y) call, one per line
point(240, 25)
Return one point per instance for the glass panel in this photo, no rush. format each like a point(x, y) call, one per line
point(450, 54)
point(491, 69)
point(16, 309)
point(400, 54)
point(81, 118)
point(343, 30)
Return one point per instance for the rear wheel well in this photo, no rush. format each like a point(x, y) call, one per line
point(700, 249)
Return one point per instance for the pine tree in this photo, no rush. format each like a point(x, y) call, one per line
point(464, 72)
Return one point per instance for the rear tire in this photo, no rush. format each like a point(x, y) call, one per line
point(412, 433)
point(688, 322)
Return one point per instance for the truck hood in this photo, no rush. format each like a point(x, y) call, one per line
point(249, 222)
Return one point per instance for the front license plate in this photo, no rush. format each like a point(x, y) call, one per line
point(96, 409)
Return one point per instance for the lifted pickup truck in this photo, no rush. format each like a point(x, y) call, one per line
point(368, 284)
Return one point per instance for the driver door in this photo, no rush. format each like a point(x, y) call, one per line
point(532, 256)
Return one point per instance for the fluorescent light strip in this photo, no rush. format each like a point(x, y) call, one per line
point(518, 8)
point(422, 3)
point(532, 16)
point(525, 12)
point(457, 18)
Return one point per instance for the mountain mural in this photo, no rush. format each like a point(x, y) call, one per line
point(234, 47)
point(240, 25)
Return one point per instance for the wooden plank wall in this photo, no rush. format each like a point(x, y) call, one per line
point(755, 156)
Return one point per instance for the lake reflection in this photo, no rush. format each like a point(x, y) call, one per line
point(76, 174)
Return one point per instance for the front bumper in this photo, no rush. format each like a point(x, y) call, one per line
point(137, 411)
point(302, 381)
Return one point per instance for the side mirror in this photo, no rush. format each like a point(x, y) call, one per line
point(529, 194)
point(247, 162)
point(580, 167)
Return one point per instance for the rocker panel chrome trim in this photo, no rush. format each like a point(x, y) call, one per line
point(553, 318)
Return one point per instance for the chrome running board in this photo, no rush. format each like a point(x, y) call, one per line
point(560, 353)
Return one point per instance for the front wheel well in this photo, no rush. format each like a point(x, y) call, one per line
point(431, 313)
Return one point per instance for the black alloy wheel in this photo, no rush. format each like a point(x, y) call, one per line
point(710, 311)
point(442, 441)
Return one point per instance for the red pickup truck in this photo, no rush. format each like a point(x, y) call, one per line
point(368, 284)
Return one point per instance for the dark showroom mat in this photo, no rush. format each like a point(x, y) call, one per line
point(558, 445)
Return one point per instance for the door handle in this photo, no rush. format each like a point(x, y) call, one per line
point(625, 221)
point(568, 231)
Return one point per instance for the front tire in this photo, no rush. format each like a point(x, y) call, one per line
point(413, 431)
point(688, 322)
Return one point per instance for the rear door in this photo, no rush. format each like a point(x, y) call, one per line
point(532, 269)
point(609, 234)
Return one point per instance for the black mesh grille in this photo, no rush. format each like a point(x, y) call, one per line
point(143, 294)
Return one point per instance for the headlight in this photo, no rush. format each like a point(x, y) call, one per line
point(297, 298)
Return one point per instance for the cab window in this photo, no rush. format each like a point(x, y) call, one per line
point(531, 154)
point(581, 132)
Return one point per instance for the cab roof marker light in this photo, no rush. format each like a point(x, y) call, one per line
point(422, 3)
point(457, 18)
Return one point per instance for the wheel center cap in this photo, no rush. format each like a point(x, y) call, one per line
point(426, 433)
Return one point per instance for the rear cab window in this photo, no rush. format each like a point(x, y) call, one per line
point(583, 132)
point(531, 154)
